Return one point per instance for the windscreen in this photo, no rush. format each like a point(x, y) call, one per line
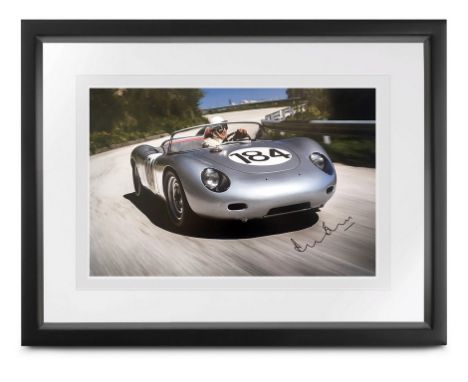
point(193, 139)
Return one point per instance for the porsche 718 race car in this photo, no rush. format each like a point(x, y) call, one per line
point(255, 176)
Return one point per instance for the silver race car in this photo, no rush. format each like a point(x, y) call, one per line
point(252, 173)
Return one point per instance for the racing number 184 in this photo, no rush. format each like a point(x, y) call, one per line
point(258, 156)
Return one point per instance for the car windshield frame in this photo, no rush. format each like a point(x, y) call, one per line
point(200, 133)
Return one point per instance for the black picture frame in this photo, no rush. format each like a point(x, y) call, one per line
point(432, 332)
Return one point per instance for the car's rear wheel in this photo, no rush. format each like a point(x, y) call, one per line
point(136, 180)
point(178, 209)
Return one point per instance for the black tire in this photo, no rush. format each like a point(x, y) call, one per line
point(136, 180)
point(178, 209)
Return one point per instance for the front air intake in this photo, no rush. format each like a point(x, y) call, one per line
point(237, 206)
point(289, 209)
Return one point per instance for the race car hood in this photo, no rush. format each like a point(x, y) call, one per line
point(253, 157)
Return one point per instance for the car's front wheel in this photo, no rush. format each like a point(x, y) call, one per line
point(178, 209)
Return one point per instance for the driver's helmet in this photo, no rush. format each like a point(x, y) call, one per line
point(217, 125)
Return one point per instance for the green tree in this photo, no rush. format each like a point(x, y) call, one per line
point(319, 104)
point(352, 104)
point(105, 109)
point(120, 115)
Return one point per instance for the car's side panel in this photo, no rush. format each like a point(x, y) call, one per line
point(145, 158)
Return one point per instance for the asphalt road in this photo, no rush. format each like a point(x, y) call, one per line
point(132, 236)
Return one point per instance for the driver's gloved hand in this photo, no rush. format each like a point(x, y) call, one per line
point(240, 133)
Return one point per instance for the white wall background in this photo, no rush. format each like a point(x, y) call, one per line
point(18, 364)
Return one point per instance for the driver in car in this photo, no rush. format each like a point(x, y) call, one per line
point(216, 134)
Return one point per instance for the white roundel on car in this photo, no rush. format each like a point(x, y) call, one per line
point(260, 156)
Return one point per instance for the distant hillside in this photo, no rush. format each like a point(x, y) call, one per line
point(123, 115)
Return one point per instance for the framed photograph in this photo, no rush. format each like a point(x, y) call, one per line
point(234, 183)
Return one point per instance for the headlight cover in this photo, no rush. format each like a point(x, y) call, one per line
point(321, 162)
point(215, 180)
point(318, 160)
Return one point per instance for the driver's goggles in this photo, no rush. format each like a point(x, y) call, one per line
point(219, 128)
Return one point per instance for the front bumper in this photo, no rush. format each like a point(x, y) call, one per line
point(264, 196)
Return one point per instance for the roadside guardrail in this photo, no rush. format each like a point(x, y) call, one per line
point(285, 112)
point(364, 128)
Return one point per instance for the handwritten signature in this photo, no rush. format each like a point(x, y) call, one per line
point(327, 231)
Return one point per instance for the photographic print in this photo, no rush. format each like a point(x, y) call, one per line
point(232, 182)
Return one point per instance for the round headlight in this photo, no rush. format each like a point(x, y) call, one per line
point(318, 160)
point(210, 178)
point(215, 180)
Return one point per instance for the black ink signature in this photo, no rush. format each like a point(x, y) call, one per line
point(327, 231)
